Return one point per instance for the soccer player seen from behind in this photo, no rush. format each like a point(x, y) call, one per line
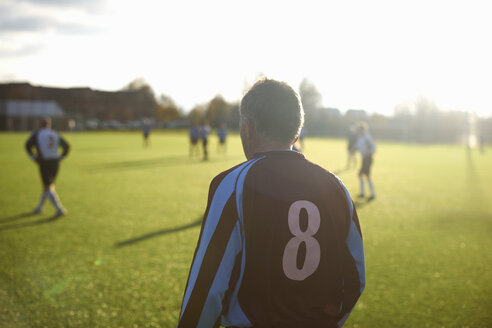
point(367, 148)
point(280, 244)
point(46, 142)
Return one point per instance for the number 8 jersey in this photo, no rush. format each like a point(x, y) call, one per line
point(280, 246)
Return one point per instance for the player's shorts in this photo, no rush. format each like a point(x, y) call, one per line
point(366, 165)
point(222, 141)
point(193, 140)
point(48, 169)
point(146, 134)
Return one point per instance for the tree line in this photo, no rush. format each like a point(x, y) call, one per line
point(419, 120)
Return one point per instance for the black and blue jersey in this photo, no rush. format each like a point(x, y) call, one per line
point(280, 246)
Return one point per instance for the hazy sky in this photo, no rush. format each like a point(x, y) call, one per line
point(360, 54)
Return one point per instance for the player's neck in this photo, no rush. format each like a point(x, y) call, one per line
point(266, 146)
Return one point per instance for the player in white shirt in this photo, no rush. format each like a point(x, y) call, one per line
point(367, 148)
point(46, 142)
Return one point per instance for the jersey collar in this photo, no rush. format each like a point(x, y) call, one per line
point(286, 153)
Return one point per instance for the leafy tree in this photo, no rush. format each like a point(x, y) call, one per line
point(218, 111)
point(139, 84)
point(167, 110)
point(144, 96)
point(197, 114)
point(310, 96)
point(311, 102)
point(233, 122)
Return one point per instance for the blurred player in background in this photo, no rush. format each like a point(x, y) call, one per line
point(367, 148)
point(280, 243)
point(46, 143)
point(146, 127)
point(351, 149)
point(222, 134)
point(194, 136)
point(204, 133)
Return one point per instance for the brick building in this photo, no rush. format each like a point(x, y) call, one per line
point(76, 104)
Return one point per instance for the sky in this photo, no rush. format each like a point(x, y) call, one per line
point(368, 55)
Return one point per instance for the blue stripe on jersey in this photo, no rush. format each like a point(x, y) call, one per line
point(341, 322)
point(220, 198)
point(350, 203)
point(354, 244)
point(356, 248)
point(235, 315)
point(213, 303)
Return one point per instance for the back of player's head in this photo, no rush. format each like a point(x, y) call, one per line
point(46, 122)
point(275, 110)
point(362, 127)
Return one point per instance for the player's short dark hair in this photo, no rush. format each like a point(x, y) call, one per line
point(362, 127)
point(46, 122)
point(275, 109)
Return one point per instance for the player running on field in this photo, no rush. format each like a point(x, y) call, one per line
point(280, 243)
point(46, 143)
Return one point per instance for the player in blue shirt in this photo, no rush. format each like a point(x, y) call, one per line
point(222, 134)
point(280, 243)
point(194, 136)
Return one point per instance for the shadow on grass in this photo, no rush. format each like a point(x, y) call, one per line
point(153, 162)
point(132, 241)
point(26, 224)
point(17, 217)
point(361, 202)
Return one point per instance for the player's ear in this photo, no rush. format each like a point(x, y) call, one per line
point(249, 127)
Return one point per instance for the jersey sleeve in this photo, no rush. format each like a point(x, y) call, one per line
point(353, 269)
point(65, 147)
point(30, 143)
point(219, 244)
point(354, 272)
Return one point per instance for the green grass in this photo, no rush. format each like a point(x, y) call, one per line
point(120, 258)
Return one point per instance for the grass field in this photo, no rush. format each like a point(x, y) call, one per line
point(120, 258)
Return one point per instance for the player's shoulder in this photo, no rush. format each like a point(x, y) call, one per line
point(232, 174)
point(234, 170)
point(221, 176)
point(32, 137)
point(328, 179)
point(34, 133)
point(325, 173)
